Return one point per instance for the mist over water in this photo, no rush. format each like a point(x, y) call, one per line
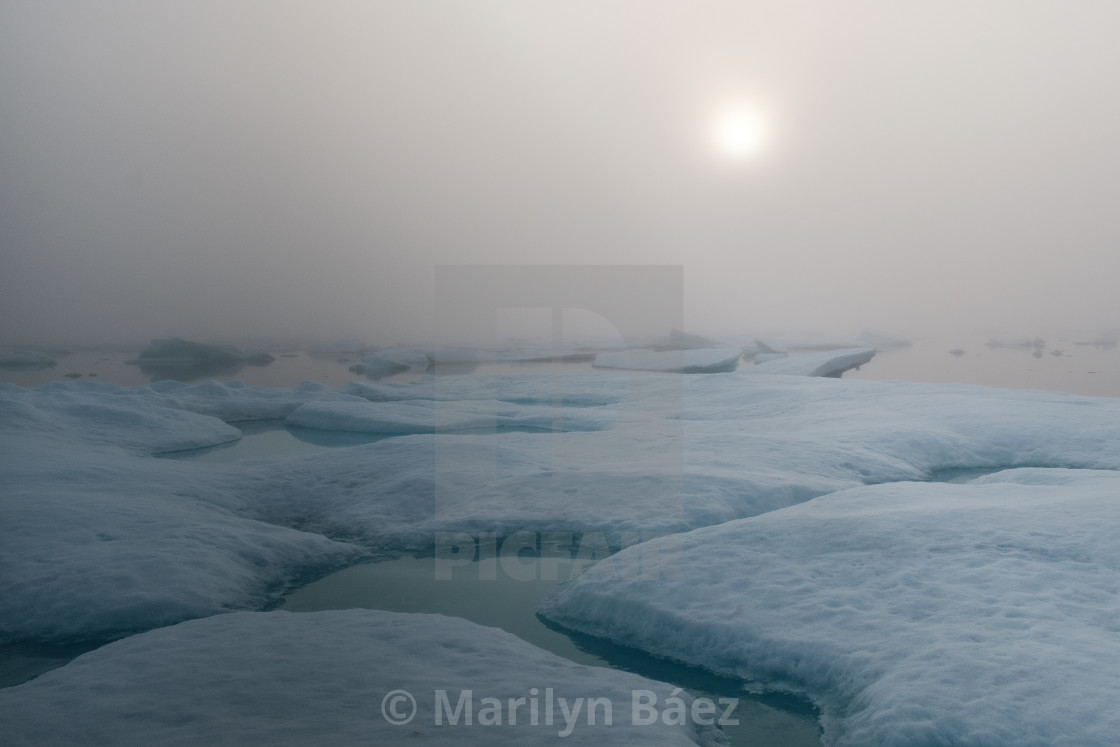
point(280, 170)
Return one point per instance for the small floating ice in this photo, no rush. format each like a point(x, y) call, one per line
point(701, 360)
point(831, 363)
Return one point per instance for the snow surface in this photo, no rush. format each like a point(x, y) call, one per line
point(98, 539)
point(830, 363)
point(319, 678)
point(701, 360)
point(912, 613)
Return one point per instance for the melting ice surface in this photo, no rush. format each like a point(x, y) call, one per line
point(889, 606)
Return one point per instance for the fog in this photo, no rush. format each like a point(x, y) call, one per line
point(232, 170)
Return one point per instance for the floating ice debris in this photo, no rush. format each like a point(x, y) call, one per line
point(32, 360)
point(957, 352)
point(830, 363)
point(704, 360)
point(377, 367)
point(770, 346)
point(175, 350)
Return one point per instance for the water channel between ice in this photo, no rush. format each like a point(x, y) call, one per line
point(476, 593)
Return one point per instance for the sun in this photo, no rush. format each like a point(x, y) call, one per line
point(739, 133)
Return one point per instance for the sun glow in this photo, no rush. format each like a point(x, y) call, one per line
point(739, 133)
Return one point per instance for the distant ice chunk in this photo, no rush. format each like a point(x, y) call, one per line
point(704, 360)
point(831, 363)
point(28, 360)
point(911, 613)
point(378, 367)
point(177, 350)
point(764, 357)
point(284, 678)
point(770, 346)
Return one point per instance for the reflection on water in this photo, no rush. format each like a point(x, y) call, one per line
point(497, 600)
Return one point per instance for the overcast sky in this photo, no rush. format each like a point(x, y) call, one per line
point(232, 169)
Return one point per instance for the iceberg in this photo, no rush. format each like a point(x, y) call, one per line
point(351, 677)
point(911, 613)
point(692, 361)
point(830, 363)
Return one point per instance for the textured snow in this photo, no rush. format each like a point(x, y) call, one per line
point(984, 613)
point(830, 363)
point(319, 678)
point(702, 360)
point(93, 525)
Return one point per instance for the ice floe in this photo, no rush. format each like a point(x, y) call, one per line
point(912, 613)
point(339, 678)
point(831, 363)
point(700, 360)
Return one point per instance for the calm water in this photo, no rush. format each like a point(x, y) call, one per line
point(1063, 364)
point(497, 600)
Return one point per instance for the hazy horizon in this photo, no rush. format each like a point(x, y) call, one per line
point(271, 170)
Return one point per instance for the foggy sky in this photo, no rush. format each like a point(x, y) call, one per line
point(225, 168)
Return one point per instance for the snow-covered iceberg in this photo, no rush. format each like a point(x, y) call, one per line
point(351, 677)
point(701, 360)
point(830, 363)
point(911, 613)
